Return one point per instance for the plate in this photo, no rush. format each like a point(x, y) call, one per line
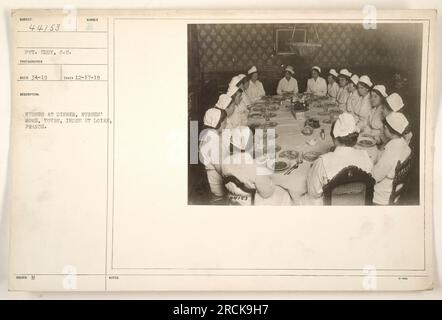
point(335, 111)
point(273, 107)
point(278, 165)
point(255, 115)
point(307, 131)
point(289, 154)
point(311, 155)
point(366, 143)
point(271, 115)
point(256, 108)
point(264, 136)
point(326, 121)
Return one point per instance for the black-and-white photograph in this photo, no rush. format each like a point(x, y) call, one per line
point(304, 114)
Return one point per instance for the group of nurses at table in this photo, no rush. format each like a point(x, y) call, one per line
point(366, 109)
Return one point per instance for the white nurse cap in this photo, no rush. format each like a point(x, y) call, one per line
point(366, 80)
point(333, 72)
point(395, 102)
point(316, 68)
point(252, 70)
point(397, 121)
point(380, 89)
point(212, 117)
point(223, 101)
point(345, 124)
point(290, 69)
point(345, 73)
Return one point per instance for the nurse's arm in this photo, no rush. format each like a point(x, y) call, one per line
point(296, 90)
point(264, 185)
point(384, 165)
point(279, 89)
point(316, 179)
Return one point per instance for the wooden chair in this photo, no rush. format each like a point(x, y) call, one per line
point(401, 179)
point(351, 186)
point(238, 199)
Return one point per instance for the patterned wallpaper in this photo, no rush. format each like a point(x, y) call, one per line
point(235, 47)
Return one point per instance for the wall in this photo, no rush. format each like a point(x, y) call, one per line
point(232, 48)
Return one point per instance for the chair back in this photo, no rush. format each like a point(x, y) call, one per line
point(401, 179)
point(351, 186)
point(238, 193)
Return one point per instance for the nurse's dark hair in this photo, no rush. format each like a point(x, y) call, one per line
point(221, 118)
point(383, 99)
point(365, 85)
point(349, 140)
point(346, 78)
point(236, 92)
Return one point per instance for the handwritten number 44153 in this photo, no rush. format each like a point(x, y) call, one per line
point(45, 27)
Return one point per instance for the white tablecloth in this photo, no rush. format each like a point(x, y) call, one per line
point(290, 137)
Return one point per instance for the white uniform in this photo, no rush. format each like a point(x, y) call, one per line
point(384, 170)
point(330, 164)
point(255, 91)
point(245, 99)
point(332, 90)
point(353, 101)
point(211, 151)
point(318, 87)
point(362, 111)
point(375, 124)
point(238, 117)
point(342, 98)
point(287, 86)
point(243, 167)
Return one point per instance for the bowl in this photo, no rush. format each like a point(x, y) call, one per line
point(307, 131)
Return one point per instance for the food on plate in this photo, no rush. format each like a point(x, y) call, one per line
point(289, 154)
point(277, 165)
point(307, 131)
point(311, 155)
point(366, 142)
point(255, 115)
point(273, 107)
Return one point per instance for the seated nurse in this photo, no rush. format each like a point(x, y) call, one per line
point(316, 84)
point(375, 124)
point(395, 150)
point(353, 95)
point(345, 135)
point(362, 110)
point(255, 90)
point(288, 84)
point(343, 93)
point(248, 176)
point(332, 86)
point(212, 151)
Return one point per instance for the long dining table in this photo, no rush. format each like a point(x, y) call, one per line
point(289, 136)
